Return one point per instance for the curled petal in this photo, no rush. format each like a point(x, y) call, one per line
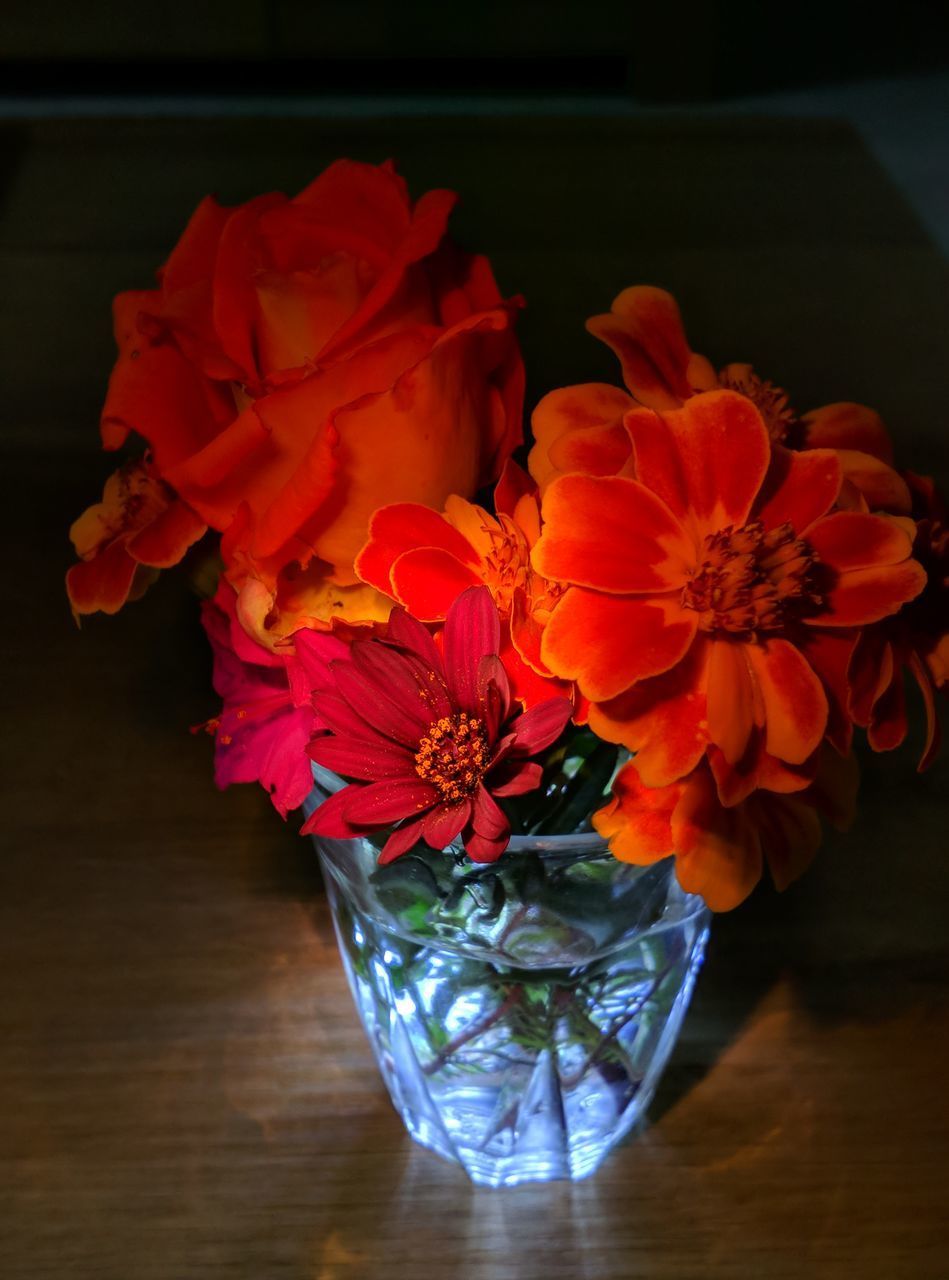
point(795, 704)
point(645, 331)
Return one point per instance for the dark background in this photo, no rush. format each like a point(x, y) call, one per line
point(654, 53)
point(184, 1089)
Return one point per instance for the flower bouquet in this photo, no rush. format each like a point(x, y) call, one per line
point(543, 710)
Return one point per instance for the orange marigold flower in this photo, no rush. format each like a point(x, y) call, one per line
point(916, 641)
point(705, 595)
point(138, 527)
point(720, 851)
point(580, 428)
point(424, 560)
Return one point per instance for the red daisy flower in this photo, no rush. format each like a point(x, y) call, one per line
point(428, 736)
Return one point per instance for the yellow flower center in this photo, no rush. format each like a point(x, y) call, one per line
point(749, 580)
point(453, 755)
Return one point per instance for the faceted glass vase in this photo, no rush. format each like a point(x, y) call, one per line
point(521, 1012)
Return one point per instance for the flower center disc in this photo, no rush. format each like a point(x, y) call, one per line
point(453, 755)
point(749, 580)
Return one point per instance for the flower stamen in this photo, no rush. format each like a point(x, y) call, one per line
point(453, 755)
point(750, 581)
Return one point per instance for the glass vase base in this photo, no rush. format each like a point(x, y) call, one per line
point(521, 1074)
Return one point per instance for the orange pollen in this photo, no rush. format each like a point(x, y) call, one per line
point(453, 755)
point(770, 400)
point(751, 581)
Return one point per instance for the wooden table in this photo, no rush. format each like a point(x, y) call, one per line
point(185, 1089)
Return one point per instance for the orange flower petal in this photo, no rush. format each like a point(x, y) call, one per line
point(706, 461)
point(849, 540)
point(429, 580)
point(613, 534)
point(607, 643)
point(799, 488)
point(734, 706)
point(163, 542)
point(663, 720)
point(644, 329)
point(881, 488)
point(401, 527)
point(101, 584)
point(867, 595)
point(637, 821)
point(757, 769)
point(718, 852)
point(568, 411)
point(790, 834)
point(848, 426)
point(795, 703)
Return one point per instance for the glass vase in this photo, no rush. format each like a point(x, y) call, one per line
point(521, 1012)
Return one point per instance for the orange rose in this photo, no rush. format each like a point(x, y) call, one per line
point(304, 361)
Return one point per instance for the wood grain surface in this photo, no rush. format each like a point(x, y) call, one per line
point(184, 1087)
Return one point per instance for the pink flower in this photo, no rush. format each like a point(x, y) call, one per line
point(267, 717)
point(429, 736)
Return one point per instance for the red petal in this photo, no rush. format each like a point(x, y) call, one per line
point(407, 632)
point(644, 329)
point(363, 760)
point(445, 823)
point(481, 849)
point(663, 720)
point(163, 542)
point(706, 461)
point(520, 778)
point(401, 527)
point(612, 534)
point(795, 703)
point(799, 488)
point(607, 643)
point(404, 722)
point(401, 841)
point(541, 726)
point(411, 686)
point(472, 632)
point(488, 818)
point(388, 801)
point(848, 426)
point(330, 819)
